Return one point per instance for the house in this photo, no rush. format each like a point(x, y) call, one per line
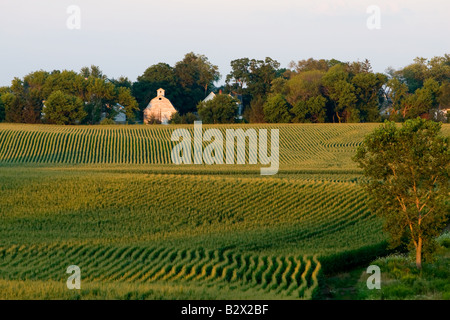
point(209, 97)
point(160, 109)
point(442, 114)
point(120, 117)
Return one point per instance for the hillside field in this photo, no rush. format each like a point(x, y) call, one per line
point(109, 200)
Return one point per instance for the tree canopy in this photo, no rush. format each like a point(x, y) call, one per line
point(24, 100)
point(62, 108)
point(409, 171)
point(312, 90)
point(221, 109)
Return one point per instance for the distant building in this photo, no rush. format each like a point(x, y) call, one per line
point(159, 109)
point(120, 117)
point(442, 114)
point(210, 96)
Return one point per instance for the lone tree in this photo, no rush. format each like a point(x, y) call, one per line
point(408, 168)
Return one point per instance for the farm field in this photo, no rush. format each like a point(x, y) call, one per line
point(109, 200)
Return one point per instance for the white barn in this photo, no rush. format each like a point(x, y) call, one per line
point(160, 108)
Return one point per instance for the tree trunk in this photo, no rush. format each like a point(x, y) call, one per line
point(419, 253)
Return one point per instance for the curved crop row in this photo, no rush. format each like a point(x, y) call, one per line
point(299, 144)
point(281, 276)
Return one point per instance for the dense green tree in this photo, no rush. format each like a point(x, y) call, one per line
point(313, 64)
point(67, 81)
point(358, 67)
point(93, 71)
point(277, 110)
point(13, 107)
point(262, 73)
point(254, 79)
point(368, 89)
point(122, 82)
point(2, 110)
point(352, 91)
point(159, 73)
point(33, 95)
point(28, 94)
point(439, 68)
point(125, 99)
point(409, 171)
point(279, 85)
point(425, 81)
point(342, 94)
point(444, 96)
point(3, 90)
point(195, 74)
point(187, 118)
point(239, 75)
point(99, 96)
point(255, 113)
point(62, 108)
point(312, 110)
point(414, 74)
point(221, 109)
point(397, 94)
point(422, 101)
point(304, 85)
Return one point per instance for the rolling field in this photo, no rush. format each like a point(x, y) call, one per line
point(109, 200)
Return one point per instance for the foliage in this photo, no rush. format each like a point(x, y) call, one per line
point(423, 100)
point(107, 121)
point(24, 101)
point(397, 95)
point(187, 118)
point(304, 86)
point(63, 108)
point(342, 94)
point(221, 109)
point(277, 110)
point(312, 110)
point(12, 107)
point(409, 168)
point(2, 110)
point(402, 281)
point(255, 113)
point(420, 89)
point(353, 92)
point(195, 74)
point(368, 91)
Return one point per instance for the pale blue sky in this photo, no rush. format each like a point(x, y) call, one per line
point(125, 37)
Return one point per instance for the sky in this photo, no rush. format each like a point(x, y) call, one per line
point(124, 37)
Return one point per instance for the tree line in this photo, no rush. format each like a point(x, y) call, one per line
point(307, 91)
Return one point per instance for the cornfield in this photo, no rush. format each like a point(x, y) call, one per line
point(109, 200)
